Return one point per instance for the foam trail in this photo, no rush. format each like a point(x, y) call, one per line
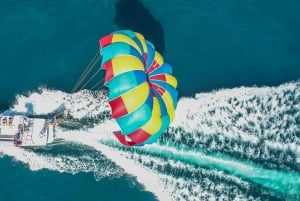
point(260, 124)
point(70, 163)
point(284, 182)
point(150, 182)
point(247, 136)
point(80, 104)
point(104, 131)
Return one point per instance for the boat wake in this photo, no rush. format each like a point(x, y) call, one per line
point(230, 144)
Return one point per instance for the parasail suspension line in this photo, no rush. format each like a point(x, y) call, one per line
point(95, 85)
point(99, 69)
point(88, 69)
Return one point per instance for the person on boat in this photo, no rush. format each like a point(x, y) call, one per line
point(54, 121)
point(45, 128)
point(4, 121)
point(25, 124)
point(21, 128)
point(10, 120)
point(18, 139)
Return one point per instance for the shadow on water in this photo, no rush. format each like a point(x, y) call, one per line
point(132, 14)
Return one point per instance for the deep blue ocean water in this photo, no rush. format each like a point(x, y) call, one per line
point(210, 44)
point(19, 183)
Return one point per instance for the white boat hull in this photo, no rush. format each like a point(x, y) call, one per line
point(36, 132)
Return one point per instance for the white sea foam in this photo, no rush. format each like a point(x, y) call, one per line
point(81, 104)
point(64, 163)
point(245, 114)
point(268, 114)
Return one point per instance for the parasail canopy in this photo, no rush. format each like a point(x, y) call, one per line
point(142, 89)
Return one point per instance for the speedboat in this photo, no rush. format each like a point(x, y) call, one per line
point(22, 131)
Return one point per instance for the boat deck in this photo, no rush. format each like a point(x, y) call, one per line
point(35, 132)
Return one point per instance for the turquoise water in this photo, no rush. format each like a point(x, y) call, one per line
point(282, 182)
point(211, 45)
point(19, 183)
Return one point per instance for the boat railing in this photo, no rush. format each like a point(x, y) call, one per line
point(28, 132)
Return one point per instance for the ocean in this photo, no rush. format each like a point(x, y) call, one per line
point(236, 133)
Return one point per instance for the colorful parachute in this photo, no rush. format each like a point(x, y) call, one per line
point(142, 91)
